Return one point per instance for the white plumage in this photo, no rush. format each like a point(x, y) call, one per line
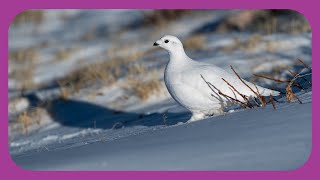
point(184, 82)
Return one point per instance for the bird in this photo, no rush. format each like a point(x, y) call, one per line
point(197, 86)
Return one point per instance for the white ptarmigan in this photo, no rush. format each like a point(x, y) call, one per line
point(183, 79)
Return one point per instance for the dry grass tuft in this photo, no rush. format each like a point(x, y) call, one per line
point(160, 18)
point(24, 78)
point(35, 113)
point(246, 45)
point(252, 41)
point(34, 16)
point(121, 63)
point(25, 120)
point(265, 21)
point(28, 118)
point(271, 46)
point(105, 73)
point(237, 21)
point(136, 70)
point(195, 42)
point(126, 51)
point(64, 91)
point(144, 89)
point(290, 95)
point(63, 54)
point(24, 55)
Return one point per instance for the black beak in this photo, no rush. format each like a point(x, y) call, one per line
point(155, 44)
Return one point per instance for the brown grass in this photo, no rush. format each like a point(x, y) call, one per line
point(64, 91)
point(136, 70)
point(121, 62)
point(28, 118)
point(63, 54)
point(290, 95)
point(247, 45)
point(24, 78)
point(25, 120)
point(125, 51)
point(35, 113)
point(160, 18)
point(195, 42)
point(237, 21)
point(280, 21)
point(265, 21)
point(24, 55)
point(144, 89)
point(34, 16)
point(271, 46)
point(105, 73)
point(252, 41)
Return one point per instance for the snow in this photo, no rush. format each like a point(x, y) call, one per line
point(260, 139)
point(105, 127)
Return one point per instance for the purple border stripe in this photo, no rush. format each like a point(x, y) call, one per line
point(8, 9)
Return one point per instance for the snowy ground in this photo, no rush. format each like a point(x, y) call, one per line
point(107, 126)
point(261, 139)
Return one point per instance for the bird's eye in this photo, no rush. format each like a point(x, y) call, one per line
point(166, 41)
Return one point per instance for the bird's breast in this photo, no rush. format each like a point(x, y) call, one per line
point(173, 82)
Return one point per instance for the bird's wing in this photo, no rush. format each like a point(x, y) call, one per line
point(214, 75)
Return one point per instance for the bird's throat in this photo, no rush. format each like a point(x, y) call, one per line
point(178, 55)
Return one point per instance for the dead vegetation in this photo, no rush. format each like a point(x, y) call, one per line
point(24, 78)
point(143, 86)
point(63, 54)
point(290, 95)
point(34, 16)
point(29, 118)
point(121, 63)
point(24, 55)
point(195, 42)
point(248, 101)
point(160, 18)
point(246, 45)
point(87, 75)
point(259, 100)
point(64, 91)
point(106, 73)
point(262, 21)
point(25, 120)
point(144, 89)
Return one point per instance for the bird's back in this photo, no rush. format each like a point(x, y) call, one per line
point(190, 76)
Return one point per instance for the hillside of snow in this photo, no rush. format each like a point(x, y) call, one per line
point(86, 91)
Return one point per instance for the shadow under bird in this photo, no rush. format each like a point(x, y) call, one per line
point(183, 80)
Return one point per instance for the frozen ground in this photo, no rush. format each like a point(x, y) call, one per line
point(107, 126)
point(261, 139)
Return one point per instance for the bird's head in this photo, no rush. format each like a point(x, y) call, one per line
point(170, 43)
